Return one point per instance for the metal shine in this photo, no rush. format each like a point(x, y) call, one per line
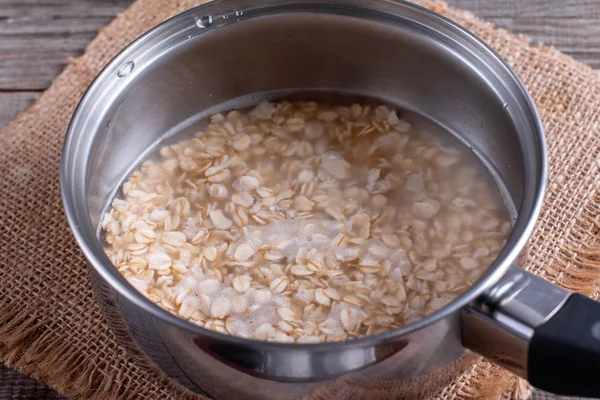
point(388, 49)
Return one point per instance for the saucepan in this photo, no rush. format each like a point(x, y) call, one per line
point(391, 50)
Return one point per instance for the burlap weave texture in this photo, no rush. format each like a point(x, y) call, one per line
point(50, 324)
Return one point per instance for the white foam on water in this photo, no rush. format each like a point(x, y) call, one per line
point(289, 236)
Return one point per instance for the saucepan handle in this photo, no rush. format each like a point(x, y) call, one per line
point(564, 352)
point(539, 331)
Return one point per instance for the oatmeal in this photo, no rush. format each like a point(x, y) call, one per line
point(304, 222)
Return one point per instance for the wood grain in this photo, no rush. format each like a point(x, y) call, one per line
point(572, 26)
point(12, 103)
point(36, 37)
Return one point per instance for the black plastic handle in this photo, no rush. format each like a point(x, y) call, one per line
point(564, 353)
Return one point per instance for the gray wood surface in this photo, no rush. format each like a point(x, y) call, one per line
point(572, 26)
point(37, 37)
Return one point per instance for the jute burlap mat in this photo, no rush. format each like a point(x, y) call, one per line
point(50, 325)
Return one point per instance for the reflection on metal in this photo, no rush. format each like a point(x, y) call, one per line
point(501, 322)
point(420, 61)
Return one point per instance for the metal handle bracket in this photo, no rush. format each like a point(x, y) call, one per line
point(500, 323)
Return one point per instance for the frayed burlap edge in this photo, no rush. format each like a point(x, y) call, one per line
point(31, 342)
point(32, 349)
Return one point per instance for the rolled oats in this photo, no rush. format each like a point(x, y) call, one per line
point(302, 222)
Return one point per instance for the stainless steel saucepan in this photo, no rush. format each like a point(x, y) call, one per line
point(386, 49)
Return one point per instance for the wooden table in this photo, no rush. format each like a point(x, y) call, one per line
point(37, 36)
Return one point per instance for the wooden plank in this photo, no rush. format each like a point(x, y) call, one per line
point(572, 26)
point(31, 63)
point(43, 8)
point(12, 104)
point(530, 9)
point(37, 37)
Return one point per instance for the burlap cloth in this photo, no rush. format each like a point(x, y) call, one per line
point(50, 325)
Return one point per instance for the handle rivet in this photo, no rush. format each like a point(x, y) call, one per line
point(596, 330)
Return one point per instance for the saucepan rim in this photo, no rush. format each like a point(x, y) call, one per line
point(100, 262)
